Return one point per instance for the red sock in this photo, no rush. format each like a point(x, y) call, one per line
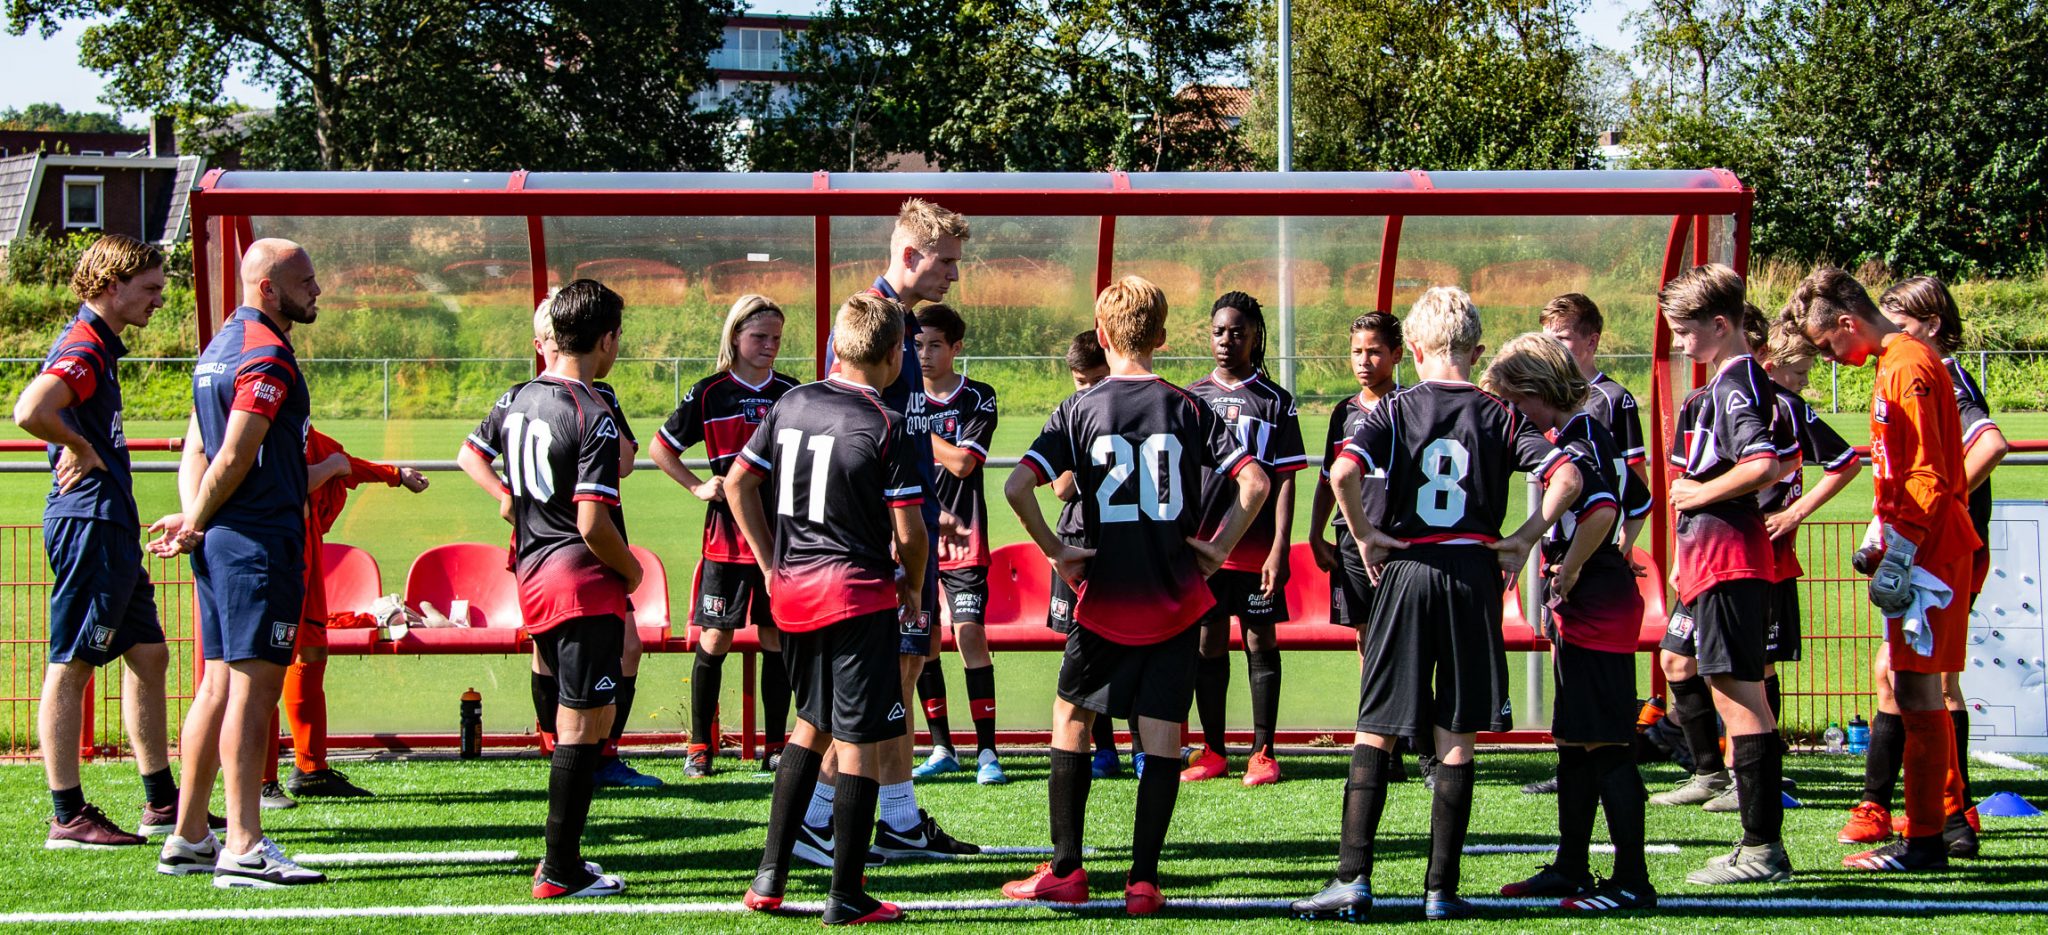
point(1929, 770)
point(270, 762)
point(305, 706)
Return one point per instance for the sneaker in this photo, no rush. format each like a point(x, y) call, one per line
point(600, 885)
point(925, 840)
point(264, 868)
point(1548, 882)
point(1043, 886)
point(1541, 787)
point(1727, 802)
point(1439, 906)
point(589, 866)
point(1695, 790)
point(323, 784)
point(1611, 896)
point(838, 912)
point(158, 821)
point(1900, 856)
point(1766, 863)
point(181, 857)
point(991, 774)
point(1338, 900)
point(1138, 763)
point(773, 763)
point(274, 797)
point(941, 762)
point(92, 830)
point(1869, 823)
point(1261, 770)
point(697, 763)
point(1142, 899)
point(814, 846)
point(1105, 764)
point(617, 772)
point(1207, 764)
point(758, 901)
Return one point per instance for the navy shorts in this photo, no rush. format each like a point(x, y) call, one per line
point(252, 592)
point(102, 602)
point(915, 637)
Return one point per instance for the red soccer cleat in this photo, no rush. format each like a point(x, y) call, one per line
point(1262, 770)
point(760, 903)
point(1869, 823)
point(883, 912)
point(1043, 886)
point(1142, 899)
point(1207, 764)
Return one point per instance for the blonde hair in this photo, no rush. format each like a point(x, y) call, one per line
point(865, 328)
point(920, 224)
point(1704, 293)
point(1538, 365)
point(744, 310)
point(1443, 320)
point(1788, 344)
point(110, 258)
point(544, 320)
point(1132, 314)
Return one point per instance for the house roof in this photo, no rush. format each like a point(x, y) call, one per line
point(21, 176)
point(175, 222)
point(17, 177)
point(1228, 101)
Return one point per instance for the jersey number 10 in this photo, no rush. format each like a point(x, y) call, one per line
point(527, 470)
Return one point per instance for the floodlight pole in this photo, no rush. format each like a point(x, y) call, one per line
point(1286, 333)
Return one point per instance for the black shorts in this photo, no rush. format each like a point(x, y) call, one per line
point(1237, 595)
point(1059, 607)
point(845, 678)
point(1155, 680)
point(102, 603)
point(1351, 588)
point(1596, 695)
point(584, 652)
point(966, 592)
point(730, 596)
point(1433, 652)
point(1724, 629)
point(1781, 642)
point(251, 589)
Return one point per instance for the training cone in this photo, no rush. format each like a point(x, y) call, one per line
point(2007, 805)
point(1791, 802)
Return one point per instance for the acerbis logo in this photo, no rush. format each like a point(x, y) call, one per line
point(604, 684)
point(896, 711)
point(606, 428)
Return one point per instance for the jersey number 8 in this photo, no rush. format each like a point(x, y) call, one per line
point(1440, 501)
point(1154, 459)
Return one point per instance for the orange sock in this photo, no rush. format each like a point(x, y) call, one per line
point(270, 762)
point(305, 705)
point(1929, 770)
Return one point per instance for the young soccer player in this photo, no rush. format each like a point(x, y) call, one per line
point(1922, 307)
point(1596, 617)
point(847, 489)
point(963, 425)
point(1927, 539)
point(722, 411)
point(1576, 321)
point(1088, 365)
point(1136, 446)
point(1433, 658)
point(1251, 585)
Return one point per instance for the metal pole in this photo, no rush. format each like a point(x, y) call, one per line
point(1834, 387)
point(1286, 335)
point(387, 389)
point(1537, 671)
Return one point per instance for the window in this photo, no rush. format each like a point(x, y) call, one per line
point(83, 197)
point(750, 49)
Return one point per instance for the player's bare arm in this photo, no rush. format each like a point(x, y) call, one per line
point(957, 461)
point(1592, 532)
point(1783, 522)
point(39, 412)
point(334, 467)
point(1321, 505)
point(913, 549)
point(707, 489)
point(1630, 529)
point(1273, 576)
point(1348, 479)
point(1984, 453)
point(1745, 478)
point(1070, 562)
point(478, 468)
point(1253, 487)
point(175, 536)
point(1560, 491)
point(748, 514)
point(240, 443)
point(594, 524)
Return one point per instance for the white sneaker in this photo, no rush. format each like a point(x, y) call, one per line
point(181, 857)
point(266, 867)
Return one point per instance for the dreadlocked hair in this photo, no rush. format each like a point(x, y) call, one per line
point(1249, 308)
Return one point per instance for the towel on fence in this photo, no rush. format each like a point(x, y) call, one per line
point(1929, 593)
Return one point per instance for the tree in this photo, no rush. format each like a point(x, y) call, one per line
point(53, 118)
point(420, 84)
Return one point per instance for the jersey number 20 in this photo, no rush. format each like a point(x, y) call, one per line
point(1156, 460)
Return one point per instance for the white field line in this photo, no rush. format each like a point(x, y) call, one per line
point(347, 858)
point(1552, 848)
point(2000, 760)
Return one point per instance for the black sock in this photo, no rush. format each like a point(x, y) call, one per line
point(794, 780)
point(1771, 695)
point(1961, 720)
point(1578, 799)
point(1622, 796)
point(1212, 689)
point(1881, 763)
point(1692, 705)
point(981, 705)
point(547, 698)
point(1264, 667)
point(1067, 794)
point(1365, 797)
point(570, 780)
point(67, 803)
point(1156, 794)
point(1450, 815)
point(931, 690)
point(853, 830)
point(160, 788)
point(1105, 734)
point(774, 698)
point(705, 678)
point(622, 701)
point(1759, 769)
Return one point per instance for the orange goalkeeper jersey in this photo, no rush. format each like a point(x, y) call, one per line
point(1916, 449)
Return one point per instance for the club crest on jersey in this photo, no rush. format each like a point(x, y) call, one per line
point(1879, 411)
point(754, 410)
point(283, 635)
point(951, 426)
point(1062, 608)
point(714, 605)
point(1232, 411)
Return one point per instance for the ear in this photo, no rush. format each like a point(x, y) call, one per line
point(911, 255)
point(1478, 351)
point(1158, 338)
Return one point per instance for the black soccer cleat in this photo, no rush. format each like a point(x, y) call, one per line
point(1438, 906)
point(323, 783)
point(1902, 856)
point(1614, 897)
point(925, 840)
point(1547, 883)
point(1541, 787)
point(1960, 837)
point(697, 764)
point(1344, 902)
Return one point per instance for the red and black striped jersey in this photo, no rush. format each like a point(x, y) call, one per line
point(560, 441)
point(483, 438)
point(1446, 449)
point(1137, 446)
point(722, 411)
point(1615, 407)
point(836, 463)
point(1975, 412)
point(1263, 417)
point(1731, 420)
point(965, 419)
point(87, 358)
point(1818, 445)
point(249, 366)
point(1344, 420)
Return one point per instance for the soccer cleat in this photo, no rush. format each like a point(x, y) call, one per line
point(589, 866)
point(1142, 899)
point(838, 912)
point(1138, 763)
point(264, 868)
point(814, 846)
point(1349, 902)
point(758, 901)
point(157, 821)
point(1541, 787)
point(697, 762)
point(92, 830)
point(1727, 802)
point(941, 762)
point(1439, 906)
point(1105, 764)
point(181, 857)
point(1869, 823)
point(1611, 896)
point(991, 774)
point(1208, 764)
point(1548, 882)
point(1899, 822)
point(1765, 863)
point(1043, 886)
point(1695, 790)
point(1959, 836)
point(1426, 765)
point(273, 797)
point(1261, 770)
point(925, 840)
point(1970, 815)
point(600, 885)
point(617, 772)
point(323, 784)
point(1900, 856)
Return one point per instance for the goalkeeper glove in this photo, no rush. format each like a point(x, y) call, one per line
point(1891, 585)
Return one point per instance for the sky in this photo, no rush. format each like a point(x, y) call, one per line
point(34, 69)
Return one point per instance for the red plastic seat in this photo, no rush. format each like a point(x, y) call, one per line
point(353, 581)
point(650, 600)
point(1019, 583)
point(470, 571)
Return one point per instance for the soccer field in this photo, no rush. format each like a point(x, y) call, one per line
point(688, 851)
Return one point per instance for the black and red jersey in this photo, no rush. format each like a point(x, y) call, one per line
point(249, 366)
point(1264, 419)
point(1615, 407)
point(836, 462)
point(1344, 420)
point(1446, 449)
point(87, 358)
point(1818, 445)
point(1604, 610)
point(966, 418)
point(1975, 412)
point(484, 437)
point(722, 411)
point(560, 442)
point(1731, 420)
point(1138, 446)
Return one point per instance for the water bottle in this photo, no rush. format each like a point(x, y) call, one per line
point(472, 725)
point(1859, 736)
point(1834, 738)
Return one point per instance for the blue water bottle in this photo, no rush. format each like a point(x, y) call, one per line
point(1859, 736)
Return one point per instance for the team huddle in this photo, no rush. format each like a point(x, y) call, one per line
point(847, 522)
